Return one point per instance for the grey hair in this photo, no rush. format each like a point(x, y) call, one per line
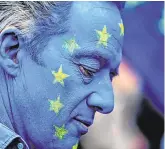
point(35, 20)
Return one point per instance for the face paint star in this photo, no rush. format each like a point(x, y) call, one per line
point(121, 25)
point(75, 146)
point(56, 105)
point(71, 45)
point(60, 132)
point(59, 76)
point(103, 36)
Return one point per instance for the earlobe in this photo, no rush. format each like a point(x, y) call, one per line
point(10, 43)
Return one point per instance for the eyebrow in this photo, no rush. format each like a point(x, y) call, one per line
point(102, 57)
point(94, 54)
point(90, 51)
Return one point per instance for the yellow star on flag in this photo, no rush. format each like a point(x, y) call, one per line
point(60, 132)
point(59, 76)
point(103, 36)
point(75, 146)
point(121, 25)
point(71, 45)
point(56, 105)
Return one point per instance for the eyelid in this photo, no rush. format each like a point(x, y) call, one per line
point(90, 63)
point(94, 70)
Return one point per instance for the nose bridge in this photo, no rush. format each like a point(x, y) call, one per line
point(102, 98)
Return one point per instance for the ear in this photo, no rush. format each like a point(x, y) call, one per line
point(10, 42)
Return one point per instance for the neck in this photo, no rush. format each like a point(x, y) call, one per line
point(5, 104)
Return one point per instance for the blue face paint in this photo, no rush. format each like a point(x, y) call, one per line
point(82, 93)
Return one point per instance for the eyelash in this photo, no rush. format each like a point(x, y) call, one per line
point(90, 73)
point(86, 72)
point(113, 74)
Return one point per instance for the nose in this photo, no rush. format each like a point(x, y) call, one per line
point(103, 103)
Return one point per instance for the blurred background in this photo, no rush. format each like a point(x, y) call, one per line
point(137, 121)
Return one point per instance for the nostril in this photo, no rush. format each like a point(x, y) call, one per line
point(99, 109)
point(103, 110)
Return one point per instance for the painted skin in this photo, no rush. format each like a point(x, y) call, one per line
point(82, 93)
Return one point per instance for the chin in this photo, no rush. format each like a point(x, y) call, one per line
point(48, 140)
point(67, 143)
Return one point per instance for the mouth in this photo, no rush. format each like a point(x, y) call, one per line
point(85, 123)
point(82, 125)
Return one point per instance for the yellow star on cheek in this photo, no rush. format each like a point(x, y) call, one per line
point(75, 146)
point(56, 105)
point(71, 45)
point(59, 76)
point(60, 132)
point(121, 25)
point(103, 36)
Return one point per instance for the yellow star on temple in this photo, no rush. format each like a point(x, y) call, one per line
point(59, 76)
point(121, 25)
point(103, 36)
point(71, 45)
point(56, 105)
point(75, 146)
point(60, 132)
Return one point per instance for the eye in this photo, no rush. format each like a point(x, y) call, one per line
point(113, 74)
point(86, 72)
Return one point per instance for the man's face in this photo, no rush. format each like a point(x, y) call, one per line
point(57, 101)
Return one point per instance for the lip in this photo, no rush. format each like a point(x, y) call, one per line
point(82, 124)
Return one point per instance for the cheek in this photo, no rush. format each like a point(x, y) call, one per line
point(72, 92)
point(34, 87)
point(40, 86)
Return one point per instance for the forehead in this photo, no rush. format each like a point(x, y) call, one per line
point(87, 17)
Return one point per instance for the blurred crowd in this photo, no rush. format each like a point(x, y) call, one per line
point(137, 121)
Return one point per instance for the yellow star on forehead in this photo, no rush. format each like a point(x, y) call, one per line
point(121, 25)
point(103, 36)
point(75, 146)
point(71, 45)
point(60, 132)
point(56, 105)
point(59, 76)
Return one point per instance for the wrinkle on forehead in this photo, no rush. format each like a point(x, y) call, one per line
point(114, 44)
point(96, 9)
point(87, 21)
point(88, 50)
point(95, 4)
point(114, 31)
point(102, 11)
point(89, 17)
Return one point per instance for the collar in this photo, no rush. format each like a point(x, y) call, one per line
point(7, 136)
